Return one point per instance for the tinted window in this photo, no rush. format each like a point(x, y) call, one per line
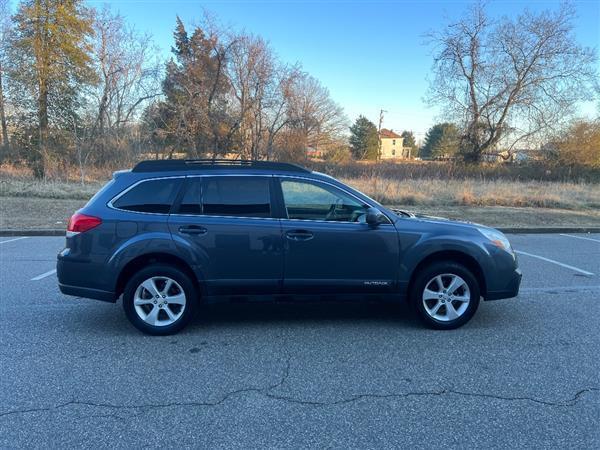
point(308, 201)
point(236, 196)
point(153, 196)
point(100, 192)
point(191, 203)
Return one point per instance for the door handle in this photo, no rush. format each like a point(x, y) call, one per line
point(299, 235)
point(193, 229)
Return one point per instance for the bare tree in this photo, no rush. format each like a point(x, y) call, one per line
point(226, 92)
point(252, 75)
point(5, 24)
point(263, 89)
point(314, 118)
point(508, 80)
point(279, 100)
point(129, 79)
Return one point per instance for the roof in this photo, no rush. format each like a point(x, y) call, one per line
point(388, 134)
point(169, 165)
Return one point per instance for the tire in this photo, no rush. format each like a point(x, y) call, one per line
point(169, 312)
point(438, 307)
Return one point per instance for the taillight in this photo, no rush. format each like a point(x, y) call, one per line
point(78, 223)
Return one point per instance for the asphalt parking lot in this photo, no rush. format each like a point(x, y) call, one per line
point(523, 372)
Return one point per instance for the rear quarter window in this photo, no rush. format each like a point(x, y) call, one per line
point(97, 195)
point(151, 196)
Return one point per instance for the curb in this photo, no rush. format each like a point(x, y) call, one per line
point(28, 233)
point(549, 230)
point(509, 230)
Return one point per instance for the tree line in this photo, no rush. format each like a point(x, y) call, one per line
point(81, 87)
point(508, 83)
point(511, 82)
point(577, 144)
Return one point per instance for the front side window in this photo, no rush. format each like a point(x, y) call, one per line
point(152, 196)
point(309, 201)
point(236, 196)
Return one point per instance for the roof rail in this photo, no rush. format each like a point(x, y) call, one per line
point(164, 165)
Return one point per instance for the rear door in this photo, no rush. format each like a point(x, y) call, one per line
point(328, 245)
point(227, 227)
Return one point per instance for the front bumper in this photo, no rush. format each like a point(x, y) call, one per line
point(510, 290)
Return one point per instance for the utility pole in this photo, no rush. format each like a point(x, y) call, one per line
point(379, 133)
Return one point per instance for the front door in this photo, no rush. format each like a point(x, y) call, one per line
point(328, 245)
point(226, 226)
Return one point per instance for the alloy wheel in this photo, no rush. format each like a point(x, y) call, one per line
point(159, 301)
point(446, 297)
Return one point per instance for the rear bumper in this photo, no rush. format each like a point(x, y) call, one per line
point(72, 273)
point(96, 294)
point(511, 290)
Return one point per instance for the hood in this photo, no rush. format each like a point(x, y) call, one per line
point(434, 219)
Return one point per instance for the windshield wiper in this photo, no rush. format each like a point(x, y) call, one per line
point(401, 212)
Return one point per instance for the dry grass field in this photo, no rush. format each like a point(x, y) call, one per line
point(416, 192)
point(492, 198)
point(438, 192)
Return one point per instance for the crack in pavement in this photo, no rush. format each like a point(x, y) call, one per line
point(570, 402)
point(223, 399)
point(267, 392)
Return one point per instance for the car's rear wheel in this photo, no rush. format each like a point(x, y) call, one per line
point(159, 299)
point(445, 295)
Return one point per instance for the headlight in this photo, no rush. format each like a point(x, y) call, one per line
point(496, 238)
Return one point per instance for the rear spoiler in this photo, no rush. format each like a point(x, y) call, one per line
point(118, 173)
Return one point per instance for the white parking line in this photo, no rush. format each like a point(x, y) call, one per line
point(44, 275)
point(561, 289)
point(13, 240)
point(581, 237)
point(585, 272)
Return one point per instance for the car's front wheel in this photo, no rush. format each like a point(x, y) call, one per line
point(159, 299)
point(445, 295)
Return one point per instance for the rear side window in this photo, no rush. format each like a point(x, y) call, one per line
point(228, 196)
point(191, 203)
point(152, 196)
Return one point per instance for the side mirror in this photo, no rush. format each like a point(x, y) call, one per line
point(374, 217)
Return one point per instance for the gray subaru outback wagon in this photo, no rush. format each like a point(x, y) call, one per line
point(170, 234)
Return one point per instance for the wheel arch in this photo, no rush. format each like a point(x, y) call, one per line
point(152, 258)
point(454, 256)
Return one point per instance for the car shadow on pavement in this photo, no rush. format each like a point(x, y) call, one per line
point(105, 319)
point(309, 312)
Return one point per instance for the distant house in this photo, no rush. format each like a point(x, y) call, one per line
point(314, 153)
point(392, 144)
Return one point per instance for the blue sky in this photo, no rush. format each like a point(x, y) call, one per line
point(369, 54)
